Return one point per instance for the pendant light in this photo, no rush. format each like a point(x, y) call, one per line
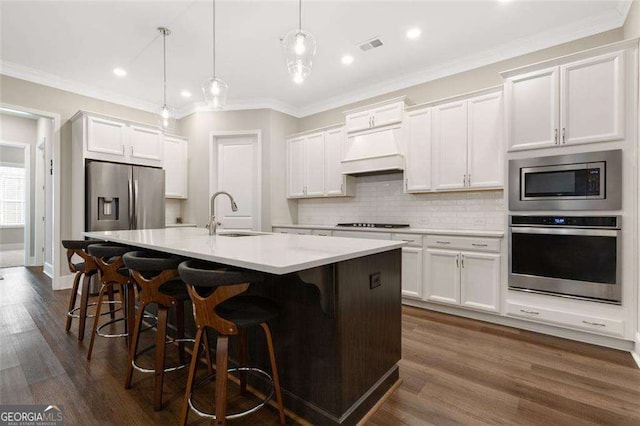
point(300, 49)
point(166, 117)
point(215, 89)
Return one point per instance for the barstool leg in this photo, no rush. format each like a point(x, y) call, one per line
point(112, 307)
point(160, 340)
point(72, 299)
point(207, 351)
point(222, 348)
point(84, 301)
point(242, 358)
point(180, 331)
point(192, 374)
point(130, 311)
point(96, 319)
point(133, 348)
point(274, 371)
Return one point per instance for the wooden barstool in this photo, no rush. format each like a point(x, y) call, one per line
point(229, 313)
point(87, 268)
point(157, 281)
point(113, 275)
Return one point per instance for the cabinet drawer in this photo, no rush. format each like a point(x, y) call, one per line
point(582, 322)
point(414, 240)
point(363, 234)
point(464, 243)
point(322, 232)
point(294, 231)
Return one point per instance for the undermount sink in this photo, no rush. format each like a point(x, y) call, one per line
point(238, 234)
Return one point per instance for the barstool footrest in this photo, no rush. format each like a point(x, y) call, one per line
point(231, 416)
point(73, 315)
point(166, 370)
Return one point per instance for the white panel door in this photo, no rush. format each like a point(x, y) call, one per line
point(485, 154)
point(334, 181)
point(314, 165)
point(358, 121)
point(450, 145)
point(531, 107)
point(412, 272)
point(175, 167)
point(417, 170)
point(388, 114)
point(106, 136)
point(443, 276)
point(295, 167)
point(480, 280)
point(146, 144)
point(238, 168)
point(592, 102)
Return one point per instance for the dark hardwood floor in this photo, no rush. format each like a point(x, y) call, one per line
point(454, 371)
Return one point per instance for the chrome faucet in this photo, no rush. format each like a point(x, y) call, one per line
point(213, 223)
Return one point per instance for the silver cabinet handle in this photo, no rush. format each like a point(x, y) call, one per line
point(598, 324)
point(462, 260)
point(564, 140)
point(469, 180)
point(457, 261)
point(443, 242)
point(342, 188)
point(406, 183)
point(131, 149)
point(479, 245)
point(464, 180)
point(555, 136)
point(122, 149)
point(530, 312)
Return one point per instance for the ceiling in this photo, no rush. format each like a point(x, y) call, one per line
point(74, 45)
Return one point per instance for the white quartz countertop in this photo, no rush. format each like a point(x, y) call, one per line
point(426, 231)
point(271, 253)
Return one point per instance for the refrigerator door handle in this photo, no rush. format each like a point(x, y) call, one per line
point(135, 204)
point(130, 204)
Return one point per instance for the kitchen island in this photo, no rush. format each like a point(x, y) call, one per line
point(337, 339)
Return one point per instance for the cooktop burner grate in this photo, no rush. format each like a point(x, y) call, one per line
point(374, 225)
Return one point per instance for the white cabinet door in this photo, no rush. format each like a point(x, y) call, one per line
point(314, 165)
point(417, 170)
point(450, 145)
point(358, 121)
point(334, 181)
point(412, 272)
point(106, 137)
point(592, 102)
point(175, 167)
point(480, 280)
point(531, 107)
point(388, 114)
point(443, 276)
point(146, 145)
point(484, 155)
point(295, 178)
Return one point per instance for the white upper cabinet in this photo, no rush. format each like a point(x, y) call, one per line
point(450, 145)
point(485, 128)
point(313, 168)
point(593, 99)
point(111, 139)
point(314, 165)
point(175, 167)
point(570, 103)
point(417, 170)
point(383, 114)
point(532, 109)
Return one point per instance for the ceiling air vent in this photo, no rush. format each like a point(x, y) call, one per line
point(371, 44)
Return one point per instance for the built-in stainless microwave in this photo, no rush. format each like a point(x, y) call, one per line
point(587, 181)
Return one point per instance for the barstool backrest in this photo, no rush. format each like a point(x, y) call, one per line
point(79, 248)
point(212, 275)
point(150, 270)
point(108, 250)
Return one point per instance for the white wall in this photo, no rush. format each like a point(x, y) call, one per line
point(631, 27)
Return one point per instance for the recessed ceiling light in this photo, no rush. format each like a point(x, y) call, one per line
point(119, 72)
point(414, 33)
point(347, 59)
point(186, 94)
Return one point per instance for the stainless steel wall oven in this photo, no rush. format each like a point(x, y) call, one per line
point(573, 256)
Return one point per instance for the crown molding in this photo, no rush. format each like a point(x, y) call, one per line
point(51, 80)
point(615, 18)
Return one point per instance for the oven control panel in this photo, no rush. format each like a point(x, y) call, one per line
point(610, 222)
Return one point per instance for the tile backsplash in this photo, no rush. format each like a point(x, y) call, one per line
point(380, 199)
point(172, 209)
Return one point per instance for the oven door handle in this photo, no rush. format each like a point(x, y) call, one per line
point(566, 231)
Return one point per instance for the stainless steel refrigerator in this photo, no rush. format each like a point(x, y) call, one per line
point(121, 196)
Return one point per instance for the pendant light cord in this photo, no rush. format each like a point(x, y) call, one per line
point(164, 62)
point(213, 62)
point(299, 15)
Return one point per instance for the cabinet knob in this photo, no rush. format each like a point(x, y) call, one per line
point(564, 140)
point(555, 136)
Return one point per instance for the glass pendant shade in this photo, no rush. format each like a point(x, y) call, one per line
point(300, 49)
point(166, 118)
point(215, 92)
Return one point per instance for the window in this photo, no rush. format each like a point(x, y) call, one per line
point(12, 196)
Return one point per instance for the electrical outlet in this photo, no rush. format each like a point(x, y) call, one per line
point(375, 280)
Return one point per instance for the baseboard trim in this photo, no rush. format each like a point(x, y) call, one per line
point(636, 354)
point(63, 282)
point(48, 270)
point(565, 333)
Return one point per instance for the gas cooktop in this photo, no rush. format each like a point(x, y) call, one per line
point(373, 225)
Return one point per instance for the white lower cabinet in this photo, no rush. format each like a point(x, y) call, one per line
point(464, 278)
